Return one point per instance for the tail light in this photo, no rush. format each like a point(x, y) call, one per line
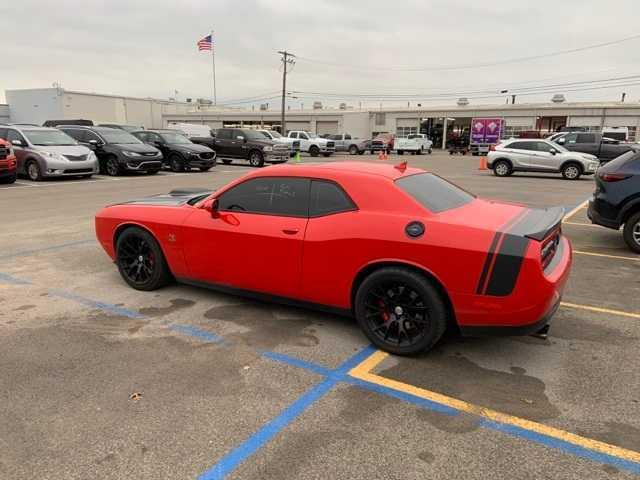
point(613, 177)
point(549, 248)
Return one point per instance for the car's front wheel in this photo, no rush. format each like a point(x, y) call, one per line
point(400, 311)
point(33, 171)
point(176, 164)
point(314, 151)
point(256, 159)
point(502, 168)
point(112, 167)
point(140, 260)
point(631, 232)
point(571, 171)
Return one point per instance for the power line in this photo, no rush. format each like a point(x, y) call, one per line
point(438, 68)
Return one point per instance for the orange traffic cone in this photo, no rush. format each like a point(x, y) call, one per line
point(483, 163)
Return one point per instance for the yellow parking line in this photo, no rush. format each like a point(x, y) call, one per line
point(363, 372)
point(621, 257)
point(600, 310)
point(574, 211)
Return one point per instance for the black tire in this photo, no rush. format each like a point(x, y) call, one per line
point(361, 152)
point(112, 166)
point(226, 161)
point(314, 151)
point(256, 159)
point(373, 152)
point(430, 151)
point(631, 232)
point(388, 287)
point(152, 172)
point(571, 171)
point(502, 168)
point(86, 176)
point(147, 274)
point(205, 169)
point(9, 179)
point(176, 163)
point(400, 152)
point(34, 173)
point(327, 154)
point(353, 150)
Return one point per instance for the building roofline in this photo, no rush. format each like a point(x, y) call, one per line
point(95, 94)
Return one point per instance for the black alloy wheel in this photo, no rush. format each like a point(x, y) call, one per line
point(314, 151)
point(400, 311)
point(176, 164)
point(140, 260)
point(112, 167)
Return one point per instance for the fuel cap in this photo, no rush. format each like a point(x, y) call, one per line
point(414, 229)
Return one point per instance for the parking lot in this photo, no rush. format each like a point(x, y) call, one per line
point(103, 381)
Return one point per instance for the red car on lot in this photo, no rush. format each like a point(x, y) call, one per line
point(403, 250)
point(8, 163)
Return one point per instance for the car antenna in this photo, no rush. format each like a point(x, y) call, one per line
point(401, 166)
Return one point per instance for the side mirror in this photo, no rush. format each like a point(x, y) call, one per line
point(553, 151)
point(240, 137)
point(561, 140)
point(16, 143)
point(214, 208)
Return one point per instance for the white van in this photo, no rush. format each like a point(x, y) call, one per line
point(191, 129)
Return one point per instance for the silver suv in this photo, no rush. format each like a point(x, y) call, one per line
point(47, 152)
point(533, 155)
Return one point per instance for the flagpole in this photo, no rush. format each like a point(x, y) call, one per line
point(213, 65)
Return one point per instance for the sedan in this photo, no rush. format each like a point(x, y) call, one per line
point(405, 252)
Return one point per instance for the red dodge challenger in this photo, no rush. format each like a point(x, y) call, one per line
point(403, 250)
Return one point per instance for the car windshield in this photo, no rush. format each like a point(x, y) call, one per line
point(253, 135)
point(434, 192)
point(559, 147)
point(175, 138)
point(49, 137)
point(112, 135)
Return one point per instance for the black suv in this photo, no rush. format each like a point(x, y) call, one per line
point(118, 151)
point(231, 143)
point(616, 201)
point(179, 152)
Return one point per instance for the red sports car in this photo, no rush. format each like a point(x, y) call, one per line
point(403, 250)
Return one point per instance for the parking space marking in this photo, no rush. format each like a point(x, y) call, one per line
point(533, 431)
point(606, 255)
point(600, 310)
point(23, 253)
point(6, 278)
point(582, 224)
point(579, 207)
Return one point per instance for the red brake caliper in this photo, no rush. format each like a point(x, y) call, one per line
point(385, 314)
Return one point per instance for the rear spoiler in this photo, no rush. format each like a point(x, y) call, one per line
point(539, 223)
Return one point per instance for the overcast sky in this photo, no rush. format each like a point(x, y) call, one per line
point(148, 48)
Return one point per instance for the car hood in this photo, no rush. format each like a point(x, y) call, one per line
point(63, 149)
point(136, 147)
point(174, 198)
point(190, 147)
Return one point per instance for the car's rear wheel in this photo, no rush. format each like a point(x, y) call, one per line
point(571, 171)
point(140, 260)
point(314, 151)
point(256, 159)
point(631, 232)
point(353, 150)
point(400, 311)
point(33, 171)
point(502, 168)
point(176, 164)
point(112, 167)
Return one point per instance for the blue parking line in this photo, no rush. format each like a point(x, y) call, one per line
point(6, 278)
point(24, 253)
point(89, 302)
point(296, 362)
point(203, 335)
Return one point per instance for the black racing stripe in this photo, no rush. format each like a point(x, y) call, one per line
point(487, 263)
point(507, 265)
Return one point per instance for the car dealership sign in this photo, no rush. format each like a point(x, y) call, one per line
point(486, 130)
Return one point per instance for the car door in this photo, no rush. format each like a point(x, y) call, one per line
point(521, 154)
point(545, 160)
point(222, 142)
point(588, 143)
point(238, 141)
point(254, 240)
point(21, 150)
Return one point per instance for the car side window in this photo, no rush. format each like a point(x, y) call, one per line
point(73, 133)
point(531, 146)
point(347, 137)
point(327, 198)
point(570, 138)
point(293, 135)
point(586, 138)
point(544, 147)
point(14, 135)
point(89, 135)
point(304, 136)
point(223, 134)
point(282, 196)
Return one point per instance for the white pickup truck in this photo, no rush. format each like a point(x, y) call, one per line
point(313, 144)
point(416, 143)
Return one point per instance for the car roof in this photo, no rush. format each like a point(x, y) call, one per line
point(27, 128)
point(338, 169)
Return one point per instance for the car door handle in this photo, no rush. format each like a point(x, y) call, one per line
point(290, 231)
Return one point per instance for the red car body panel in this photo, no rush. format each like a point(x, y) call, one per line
point(8, 163)
point(318, 259)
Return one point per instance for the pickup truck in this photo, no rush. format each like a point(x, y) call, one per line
point(382, 141)
point(245, 144)
point(595, 144)
point(291, 143)
point(416, 143)
point(313, 144)
point(346, 143)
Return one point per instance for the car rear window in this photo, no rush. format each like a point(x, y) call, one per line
point(626, 159)
point(434, 192)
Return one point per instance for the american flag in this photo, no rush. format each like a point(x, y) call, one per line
point(206, 43)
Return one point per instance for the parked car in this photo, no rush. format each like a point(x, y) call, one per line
point(47, 152)
point(250, 145)
point(616, 200)
point(416, 143)
point(313, 144)
point(382, 141)
point(539, 156)
point(344, 142)
point(78, 121)
point(8, 163)
point(292, 143)
point(595, 144)
point(178, 152)
point(118, 151)
point(321, 235)
point(126, 128)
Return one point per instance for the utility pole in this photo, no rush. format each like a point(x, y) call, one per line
point(287, 59)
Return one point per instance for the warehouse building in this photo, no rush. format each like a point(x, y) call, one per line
point(39, 105)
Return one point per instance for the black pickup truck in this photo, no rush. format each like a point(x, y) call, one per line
point(594, 143)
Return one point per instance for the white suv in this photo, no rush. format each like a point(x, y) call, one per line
point(533, 155)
